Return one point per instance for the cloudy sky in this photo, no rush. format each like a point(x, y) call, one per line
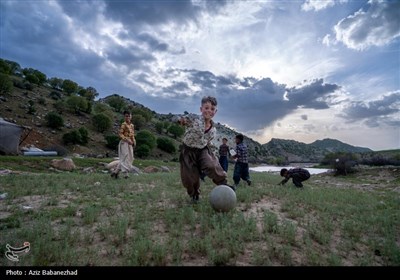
point(301, 70)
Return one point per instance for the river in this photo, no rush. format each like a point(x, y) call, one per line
point(271, 168)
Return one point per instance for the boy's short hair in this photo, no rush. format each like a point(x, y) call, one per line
point(240, 137)
point(224, 139)
point(283, 171)
point(210, 99)
point(126, 112)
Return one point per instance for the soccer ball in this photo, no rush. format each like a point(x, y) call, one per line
point(222, 198)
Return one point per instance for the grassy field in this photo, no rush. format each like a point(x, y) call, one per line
point(79, 219)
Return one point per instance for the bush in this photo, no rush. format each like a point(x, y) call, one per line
point(143, 151)
point(77, 104)
point(112, 141)
point(145, 137)
point(166, 145)
point(103, 108)
point(54, 120)
point(159, 127)
point(117, 102)
point(6, 85)
point(145, 113)
point(84, 135)
point(138, 121)
point(55, 95)
point(28, 86)
point(79, 136)
point(176, 130)
point(42, 101)
point(73, 137)
point(101, 122)
point(59, 106)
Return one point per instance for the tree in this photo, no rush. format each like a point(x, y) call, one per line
point(101, 122)
point(89, 93)
point(145, 137)
point(79, 136)
point(143, 151)
point(54, 120)
point(77, 104)
point(145, 113)
point(117, 102)
point(138, 121)
point(166, 145)
point(56, 83)
point(6, 85)
point(34, 76)
point(159, 127)
point(176, 130)
point(112, 141)
point(4, 67)
point(69, 86)
point(103, 108)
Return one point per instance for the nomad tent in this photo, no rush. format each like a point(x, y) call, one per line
point(10, 135)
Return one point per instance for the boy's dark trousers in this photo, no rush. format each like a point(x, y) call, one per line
point(300, 177)
point(192, 162)
point(223, 160)
point(241, 171)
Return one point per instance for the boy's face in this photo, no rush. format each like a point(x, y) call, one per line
point(237, 140)
point(208, 110)
point(224, 141)
point(128, 117)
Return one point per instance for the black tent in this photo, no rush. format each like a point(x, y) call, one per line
point(10, 135)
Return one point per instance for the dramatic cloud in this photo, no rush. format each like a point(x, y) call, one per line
point(377, 26)
point(385, 110)
point(275, 66)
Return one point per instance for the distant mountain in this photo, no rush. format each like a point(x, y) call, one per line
point(294, 151)
point(333, 145)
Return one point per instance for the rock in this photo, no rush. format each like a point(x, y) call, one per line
point(63, 164)
point(151, 169)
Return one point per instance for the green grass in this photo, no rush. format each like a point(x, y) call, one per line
point(148, 220)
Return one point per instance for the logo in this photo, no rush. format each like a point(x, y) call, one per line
point(12, 252)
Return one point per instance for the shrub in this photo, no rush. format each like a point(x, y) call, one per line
point(176, 130)
point(138, 121)
point(143, 151)
point(145, 113)
point(103, 108)
point(117, 102)
point(59, 106)
point(112, 141)
point(145, 137)
point(84, 135)
point(6, 85)
point(28, 86)
point(55, 95)
point(42, 101)
point(166, 145)
point(77, 104)
point(54, 120)
point(159, 127)
point(101, 122)
point(73, 137)
point(79, 136)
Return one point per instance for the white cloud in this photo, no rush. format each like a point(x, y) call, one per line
point(317, 5)
point(378, 26)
